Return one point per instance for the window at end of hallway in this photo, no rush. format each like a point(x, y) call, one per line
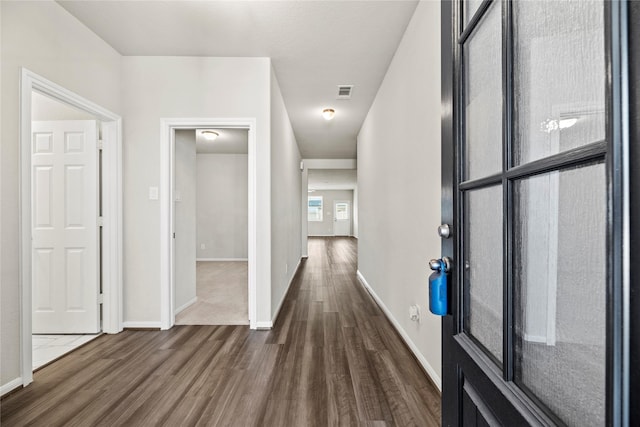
point(315, 208)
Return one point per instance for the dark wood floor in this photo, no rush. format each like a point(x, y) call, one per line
point(332, 359)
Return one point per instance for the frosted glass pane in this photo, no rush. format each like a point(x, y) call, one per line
point(483, 97)
point(560, 281)
point(483, 267)
point(469, 9)
point(559, 76)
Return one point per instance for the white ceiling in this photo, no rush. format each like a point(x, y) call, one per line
point(332, 179)
point(314, 46)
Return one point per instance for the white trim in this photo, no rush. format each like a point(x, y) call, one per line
point(284, 296)
point(330, 163)
point(185, 305)
point(414, 349)
point(111, 202)
point(264, 326)
point(222, 259)
point(112, 227)
point(146, 325)
point(10, 386)
point(536, 338)
point(552, 261)
point(167, 143)
point(327, 235)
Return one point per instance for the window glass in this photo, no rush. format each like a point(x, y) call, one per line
point(483, 97)
point(560, 291)
point(559, 77)
point(315, 208)
point(483, 267)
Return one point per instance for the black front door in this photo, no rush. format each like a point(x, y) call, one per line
point(533, 189)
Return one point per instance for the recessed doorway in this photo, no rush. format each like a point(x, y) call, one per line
point(71, 216)
point(168, 267)
point(211, 226)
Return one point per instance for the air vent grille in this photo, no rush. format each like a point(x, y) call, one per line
point(344, 91)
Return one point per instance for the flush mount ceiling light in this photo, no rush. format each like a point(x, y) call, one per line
point(328, 113)
point(209, 135)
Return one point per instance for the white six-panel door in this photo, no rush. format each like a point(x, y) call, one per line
point(64, 200)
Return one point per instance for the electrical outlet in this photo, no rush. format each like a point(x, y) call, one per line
point(414, 313)
point(203, 246)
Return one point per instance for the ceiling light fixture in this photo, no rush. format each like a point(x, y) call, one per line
point(209, 135)
point(328, 113)
point(551, 125)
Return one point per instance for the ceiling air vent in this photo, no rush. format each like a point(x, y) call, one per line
point(344, 91)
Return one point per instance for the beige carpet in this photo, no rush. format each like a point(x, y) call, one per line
point(221, 288)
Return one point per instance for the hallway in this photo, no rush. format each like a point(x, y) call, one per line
point(331, 359)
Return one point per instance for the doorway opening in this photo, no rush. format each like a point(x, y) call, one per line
point(330, 200)
point(172, 302)
point(342, 217)
point(211, 226)
point(70, 221)
point(66, 235)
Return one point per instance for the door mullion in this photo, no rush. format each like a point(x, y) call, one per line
point(507, 208)
point(617, 370)
point(632, 291)
point(459, 161)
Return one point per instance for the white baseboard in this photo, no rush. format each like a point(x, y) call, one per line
point(414, 349)
point(10, 386)
point(328, 235)
point(264, 326)
point(185, 305)
point(146, 325)
point(222, 259)
point(284, 296)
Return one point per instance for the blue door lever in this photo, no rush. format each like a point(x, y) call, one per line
point(438, 281)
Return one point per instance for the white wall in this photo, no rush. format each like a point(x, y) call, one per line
point(222, 207)
point(399, 184)
point(46, 39)
point(188, 87)
point(325, 227)
point(185, 218)
point(285, 199)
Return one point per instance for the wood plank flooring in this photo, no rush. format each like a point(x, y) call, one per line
point(332, 359)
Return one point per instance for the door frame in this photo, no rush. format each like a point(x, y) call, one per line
point(111, 246)
point(632, 220)
point(167, 211)
point(350, 217)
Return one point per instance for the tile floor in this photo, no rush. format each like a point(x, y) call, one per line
point(49, 347)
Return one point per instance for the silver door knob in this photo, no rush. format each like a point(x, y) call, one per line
point(444, 231)
point(442, 264)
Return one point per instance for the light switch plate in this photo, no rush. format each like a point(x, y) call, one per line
point(153, 193)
